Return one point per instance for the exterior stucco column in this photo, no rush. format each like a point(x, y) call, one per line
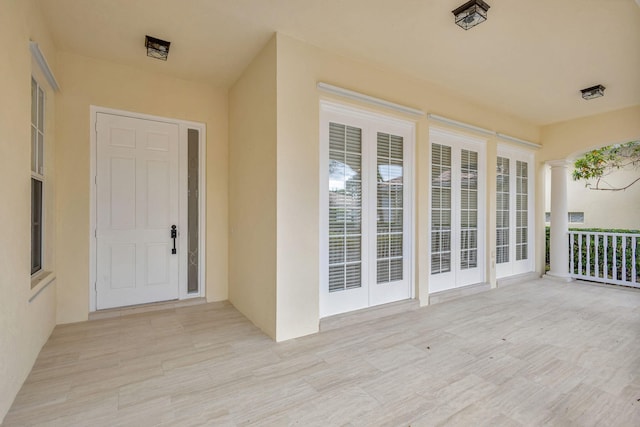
point(559, 236)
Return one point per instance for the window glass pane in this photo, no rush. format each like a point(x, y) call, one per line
point(40, 154)
point(193, 141)
point(34, 150)
point(36, 225)
point(468, 209)
point(390, 190)
point(502, 210)
point(522, 209)
point(576, 217)
point(34, 103)
point(345, 207)
point(440, 208)
point(40, 109)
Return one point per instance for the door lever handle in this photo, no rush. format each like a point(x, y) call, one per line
point(174, 234)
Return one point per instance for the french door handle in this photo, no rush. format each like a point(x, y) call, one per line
point(174, 234)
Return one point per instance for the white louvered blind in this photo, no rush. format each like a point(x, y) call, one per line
point(522, 210)
point(345, 207)
point(468, 209)
point(390, 187)
point(503, 175)
point(440, 209)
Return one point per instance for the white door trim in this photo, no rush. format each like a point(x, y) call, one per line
point(184, 126)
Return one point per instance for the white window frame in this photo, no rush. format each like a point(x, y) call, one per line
point(362, 118)
point(513, 266)
point(38, 160)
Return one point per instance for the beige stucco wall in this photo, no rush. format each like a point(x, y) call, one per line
point(300, 67)
point(603, 209)
point(88, 81)
point(252, 191)
point(24, 326)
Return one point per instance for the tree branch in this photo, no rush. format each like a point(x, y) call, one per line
point(597, 188)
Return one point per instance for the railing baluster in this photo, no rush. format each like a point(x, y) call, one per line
point(605, 265)
point(588, 249)
point(624, 258)
point(634, 260)
point(614, 255)
point(580, 253)
point(571, 262)
point(596, 240)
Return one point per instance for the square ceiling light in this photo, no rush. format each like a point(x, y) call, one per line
point(471, 13)
point(593, 92)
point(156, 48)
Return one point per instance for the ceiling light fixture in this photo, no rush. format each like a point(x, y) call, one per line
point(593, 92)
point(156, 48)
point(471, 14)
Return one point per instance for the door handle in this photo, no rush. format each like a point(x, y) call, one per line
point(174, 234)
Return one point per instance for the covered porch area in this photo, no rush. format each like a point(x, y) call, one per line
point(531, 353)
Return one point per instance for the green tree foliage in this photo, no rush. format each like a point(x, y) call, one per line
point(594, 166)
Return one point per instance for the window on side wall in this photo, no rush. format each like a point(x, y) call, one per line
point(576, 217)
point(37, 175)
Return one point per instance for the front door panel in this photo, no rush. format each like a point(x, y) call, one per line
point(137, 203)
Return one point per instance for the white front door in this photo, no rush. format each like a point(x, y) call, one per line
point(137, 203)
point(457, 210)
point(366, 201)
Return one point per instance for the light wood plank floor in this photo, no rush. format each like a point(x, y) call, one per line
point(538, 353)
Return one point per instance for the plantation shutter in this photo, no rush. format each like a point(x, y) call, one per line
point(468, 209)
point(522, 210)
point(345, 207)
point(503, 175)
point(390, 212)
point(440, 209)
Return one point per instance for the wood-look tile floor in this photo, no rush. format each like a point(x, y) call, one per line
point(537, 353)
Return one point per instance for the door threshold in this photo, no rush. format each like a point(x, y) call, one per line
point(366, 314)
point(110, 313)
point(455, 293)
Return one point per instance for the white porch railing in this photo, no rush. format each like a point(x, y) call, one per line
point(605, 257)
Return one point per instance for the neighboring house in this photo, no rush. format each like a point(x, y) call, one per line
point(601, 209)
point(96, 170)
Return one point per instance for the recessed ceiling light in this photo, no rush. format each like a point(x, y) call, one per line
point(156, 48)
point(593, 92)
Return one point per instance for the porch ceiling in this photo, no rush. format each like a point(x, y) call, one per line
point(529, 59)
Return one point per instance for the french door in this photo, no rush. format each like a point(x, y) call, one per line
point(457, 210)
point(366, 199)
point(514, 212)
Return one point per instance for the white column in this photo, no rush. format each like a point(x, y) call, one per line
point(559, 236)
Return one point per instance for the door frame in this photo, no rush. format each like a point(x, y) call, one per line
point(358, 114)
point(514, 267)
point(459, 141)
point(183, 127)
